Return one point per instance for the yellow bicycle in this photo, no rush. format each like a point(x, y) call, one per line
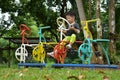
point(86, 30)
point(39, 51)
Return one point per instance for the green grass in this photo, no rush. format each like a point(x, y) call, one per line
point(49, 73)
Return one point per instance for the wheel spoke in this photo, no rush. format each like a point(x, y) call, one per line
point(17, 53)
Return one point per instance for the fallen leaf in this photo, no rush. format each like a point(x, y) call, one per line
point(101, 72)
point(81, 76)
point(21, 74)
point(105, 78)
point(72, 77)
point(47, 77)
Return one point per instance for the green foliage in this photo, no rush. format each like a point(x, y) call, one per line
point(3, 43)
point(115, 58)
point(13, 32)
point(34, 31)
point(117, 18)
point(8, 6)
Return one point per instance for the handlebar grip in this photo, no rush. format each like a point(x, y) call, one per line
point(24, 27)
point(44, 27)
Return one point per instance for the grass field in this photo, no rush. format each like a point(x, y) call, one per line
point(49, 73)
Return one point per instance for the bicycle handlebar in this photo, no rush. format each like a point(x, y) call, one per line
point(44, 27)
point(24, 27)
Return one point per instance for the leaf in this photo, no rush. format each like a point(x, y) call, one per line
point(47, 77)
point(21, 74)
point(81, 76)
point(101, 72)
point(105, 78)
point(73, 77)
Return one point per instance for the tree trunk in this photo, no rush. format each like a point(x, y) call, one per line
point(83, 18)
point(99, 27)
point(112, 46)
point(90, 17)
point(81, 11)
point(99, 31)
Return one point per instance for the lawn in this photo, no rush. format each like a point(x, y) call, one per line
point(48, 73)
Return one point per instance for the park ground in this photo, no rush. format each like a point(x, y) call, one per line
point(49, 73)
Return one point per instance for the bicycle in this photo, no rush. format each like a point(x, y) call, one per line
point(21, 53)
point(86, 49)
point(39, 52)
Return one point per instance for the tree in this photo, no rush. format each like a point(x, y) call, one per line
point(81, 12)
point(117, 29)
point(99, 27)
point(112, 47)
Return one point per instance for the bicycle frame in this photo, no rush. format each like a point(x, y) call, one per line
point(86, 31)
point(39, 51)
point(21, 53)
